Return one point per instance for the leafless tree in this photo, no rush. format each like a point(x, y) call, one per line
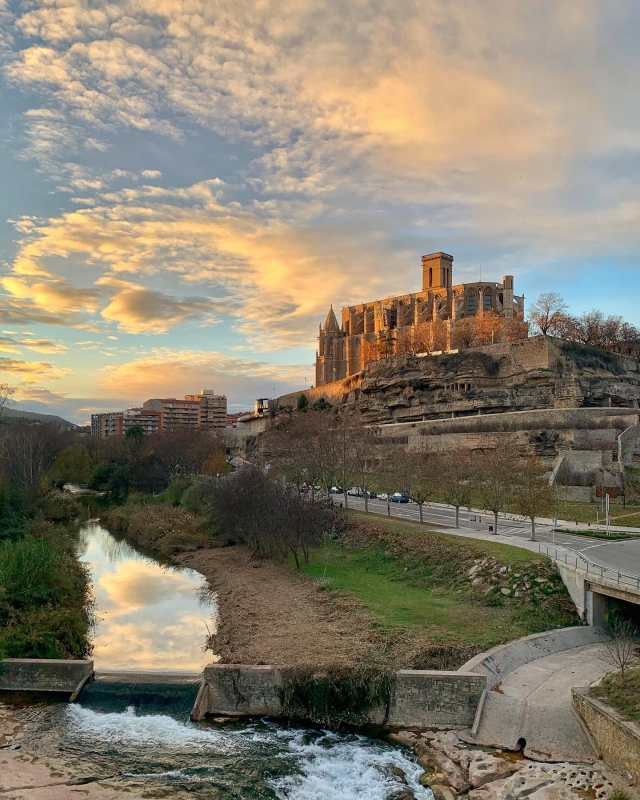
point(28, 450)
point(545, 313)
point(532, 495)
point(620, 645)
point(455, 479)
point(422, 468)
point(493, 478)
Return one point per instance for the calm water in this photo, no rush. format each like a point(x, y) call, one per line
point(152, 617)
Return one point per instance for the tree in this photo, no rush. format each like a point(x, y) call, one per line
point(620, 645)
point(6, 393)
point(493, 472)
point(73, 465)
point(454, 478)
point(532, 495)
point(135, 433)
point(547, 311)
point(466, 332)
point(422, 468)
point(29, 451)
point(302, 403)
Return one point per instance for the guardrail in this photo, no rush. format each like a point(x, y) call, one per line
point(590, 567)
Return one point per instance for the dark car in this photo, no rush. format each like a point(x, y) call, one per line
point(372, 495)
point(399, 497)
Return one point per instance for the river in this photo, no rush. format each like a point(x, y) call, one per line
point(156, 617)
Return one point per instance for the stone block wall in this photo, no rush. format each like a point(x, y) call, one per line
point(618, 739)
point(423, 698)
point(420, 698)
point(43, 675)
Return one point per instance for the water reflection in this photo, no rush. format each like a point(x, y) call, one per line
point(149, 616)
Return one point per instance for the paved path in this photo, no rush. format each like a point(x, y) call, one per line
point(620, 555)
point(534, 703)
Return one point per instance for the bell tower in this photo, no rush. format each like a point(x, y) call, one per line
point(437, 269)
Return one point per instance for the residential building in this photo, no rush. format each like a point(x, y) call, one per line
point(107, 424)
point(206, 410)
point(213, 408)
point(148, 420)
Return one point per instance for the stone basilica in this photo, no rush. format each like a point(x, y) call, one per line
point(428, 319)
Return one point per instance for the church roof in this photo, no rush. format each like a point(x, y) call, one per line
point(331, 323)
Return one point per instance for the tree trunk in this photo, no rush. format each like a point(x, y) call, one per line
point(366, 501)
point(388, 507)
point(457, 516)
point(420, 506)
point(313, 494)
point(495, 522)
point(346, 502)
point(533, 529)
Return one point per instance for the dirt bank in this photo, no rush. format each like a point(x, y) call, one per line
point(269, 614)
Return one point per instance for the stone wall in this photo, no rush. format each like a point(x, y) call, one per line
point(424, 698)
point(617, 738)
point(43, 675)
point(419, 698)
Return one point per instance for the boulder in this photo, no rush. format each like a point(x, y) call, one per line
point(441, 792)
point(434, 760)
point(545, 782)
point(485, 768)
point(406, 738)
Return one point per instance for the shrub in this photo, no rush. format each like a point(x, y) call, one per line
point(58, 506)
point(167, 529)
point(45, 603)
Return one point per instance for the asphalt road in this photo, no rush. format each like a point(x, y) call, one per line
point(623, 556)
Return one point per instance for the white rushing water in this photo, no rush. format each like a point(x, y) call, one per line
point(152, 616)
point(315, 765)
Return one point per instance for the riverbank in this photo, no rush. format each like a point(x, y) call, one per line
point(387, 594)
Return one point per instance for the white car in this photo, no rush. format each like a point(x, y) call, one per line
point(355, 491)
point(383, 496)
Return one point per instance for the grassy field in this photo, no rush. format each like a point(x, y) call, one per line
point(416, 582)
point(586, 512)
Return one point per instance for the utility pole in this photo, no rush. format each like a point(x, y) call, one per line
point(607, 513)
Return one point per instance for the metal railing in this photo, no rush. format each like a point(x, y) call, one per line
point(592, 569)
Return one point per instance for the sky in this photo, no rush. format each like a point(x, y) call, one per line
point(187, 185)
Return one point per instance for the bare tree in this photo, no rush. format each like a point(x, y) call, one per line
point(532, 495)
point(493, 477)
point(620, 645)
point(546, 311)
point(454, 476)
point(6, 395)
point(422, 468)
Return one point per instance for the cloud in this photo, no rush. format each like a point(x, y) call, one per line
point(138, 310)
point(9, 344)
point(174, 373)
point(31, 371)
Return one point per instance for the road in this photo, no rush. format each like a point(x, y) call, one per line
point(623, 556)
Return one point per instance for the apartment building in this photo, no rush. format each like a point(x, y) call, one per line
point(213, 408)
point(204, 411)
point(148, 420)
point(107, 424)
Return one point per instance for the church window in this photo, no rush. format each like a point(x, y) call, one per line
point(430, 277)
point(487, 301)
point(471, 304)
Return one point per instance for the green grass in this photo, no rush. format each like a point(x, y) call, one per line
point(624, 697)
point(586, 512)
point(504, 553)
point(383, 586)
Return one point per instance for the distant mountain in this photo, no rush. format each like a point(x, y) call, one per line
point(18, 413)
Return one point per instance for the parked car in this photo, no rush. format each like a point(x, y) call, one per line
point(355, 491)
point(383, 496)
point(400, 497)
point(336, 490)
point(372, 495)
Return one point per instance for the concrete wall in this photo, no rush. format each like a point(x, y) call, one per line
point(419, 698)
point(618, 739)
point(501, 660)
point(43, 675)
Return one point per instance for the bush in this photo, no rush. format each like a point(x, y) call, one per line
point(45, 602)
point(167, 529)
point(58, 506)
